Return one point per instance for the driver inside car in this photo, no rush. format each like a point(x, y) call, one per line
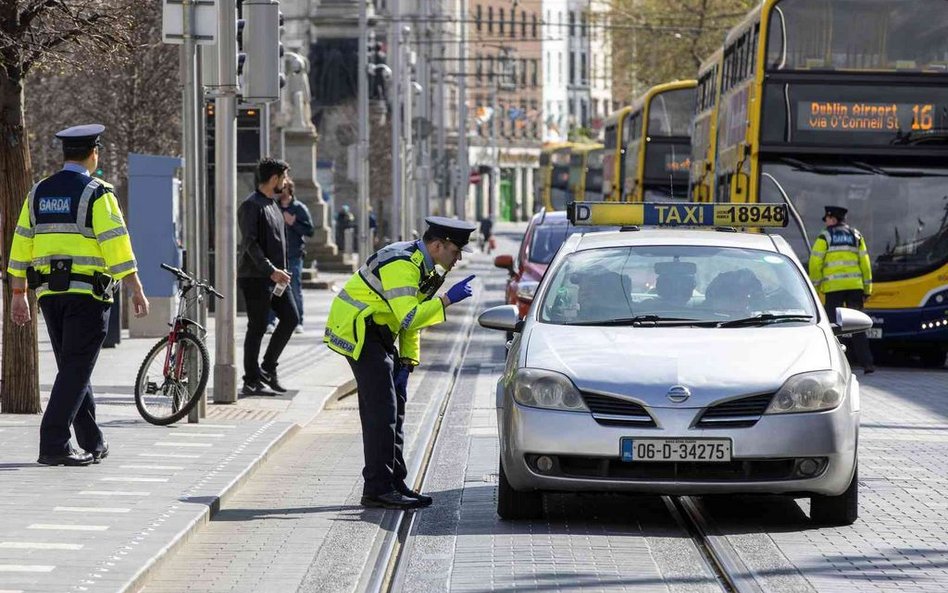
point(675, 284)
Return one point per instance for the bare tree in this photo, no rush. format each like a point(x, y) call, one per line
point(658, 41)
point(35, 32)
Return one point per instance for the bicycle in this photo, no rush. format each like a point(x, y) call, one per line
point(166, 388)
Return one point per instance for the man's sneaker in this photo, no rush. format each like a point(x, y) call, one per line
point(298, 329)
point(270, 378)
point(255, 388)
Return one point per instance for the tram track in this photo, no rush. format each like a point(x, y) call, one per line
point(721, 559)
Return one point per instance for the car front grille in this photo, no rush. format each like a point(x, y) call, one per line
point(736, 413)
point(615, 469)
point(612, 411)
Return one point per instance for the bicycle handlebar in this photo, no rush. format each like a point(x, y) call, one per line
point(182, 275)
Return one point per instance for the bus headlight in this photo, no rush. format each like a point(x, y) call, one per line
point(545, 389)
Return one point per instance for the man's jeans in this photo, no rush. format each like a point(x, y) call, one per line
point(294, 266)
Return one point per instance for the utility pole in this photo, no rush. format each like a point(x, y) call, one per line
point(408, 154)
point(365, 249)
point(398, 91)
point(464, 169)
point(424, 118)
point(225, 206)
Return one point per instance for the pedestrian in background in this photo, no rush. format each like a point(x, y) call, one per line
point(72, 247)
point(487, 228)
point(344, 220)
point(263, 277)
point(388, 301)
point(299, 226)
point(841, 270)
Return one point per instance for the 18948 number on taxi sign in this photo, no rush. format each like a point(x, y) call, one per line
point(675, 214)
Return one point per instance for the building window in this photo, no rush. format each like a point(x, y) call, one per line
point(490, 69)
point(533, 25)
point(479, 68)
point(500, 20)
point(477, 17)
point(584, 113)
point(572, 23)
point(583, 74)
point(547, 79)
point(490, 19)
point(572, 68)
point(582, 28)
point(523, 24)
point(534, 73)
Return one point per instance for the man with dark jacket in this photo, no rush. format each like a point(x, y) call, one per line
point(263, 277)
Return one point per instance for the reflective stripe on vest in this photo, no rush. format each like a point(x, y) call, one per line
point(79, 227)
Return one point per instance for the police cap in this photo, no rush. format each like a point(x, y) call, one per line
point(452, 229)
point(837, 212)
point(79, 137)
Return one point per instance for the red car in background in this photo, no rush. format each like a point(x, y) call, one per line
point(545, 234)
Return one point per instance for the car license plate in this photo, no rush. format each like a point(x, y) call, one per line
point(874, 333)
point(675, 449)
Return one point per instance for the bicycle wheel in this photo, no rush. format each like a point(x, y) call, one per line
point(163, 398)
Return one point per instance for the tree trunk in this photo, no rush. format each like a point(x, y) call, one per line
point(19, 390)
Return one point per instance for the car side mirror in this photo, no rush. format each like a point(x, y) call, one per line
point(505, 318)
point(850, 321)
point(504, 262)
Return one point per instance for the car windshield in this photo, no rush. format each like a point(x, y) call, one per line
point(901, 211)
point(680, 284)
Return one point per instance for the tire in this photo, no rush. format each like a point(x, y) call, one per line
point(146, 388)
point(933, 358)
point(513, 504)
point(837, 511)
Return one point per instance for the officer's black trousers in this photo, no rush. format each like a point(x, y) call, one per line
point(382, 412)
point(853, 299)
point(77, 325)
point(258, 294)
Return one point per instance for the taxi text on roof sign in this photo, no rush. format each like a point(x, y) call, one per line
point(676, 214)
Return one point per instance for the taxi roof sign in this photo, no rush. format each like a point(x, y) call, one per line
point(676, 214)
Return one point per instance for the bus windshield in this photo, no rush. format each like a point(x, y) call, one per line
point(670, 112)
point(901, 211)
point(880, 35)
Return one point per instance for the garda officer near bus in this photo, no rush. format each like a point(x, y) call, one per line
point(386, 303)
point(840, 269)
point(71, 246)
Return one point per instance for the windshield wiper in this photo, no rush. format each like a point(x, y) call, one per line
point(898, 173)
point(818, 169)
point(648, 320)
point(921, 136)
point(763, 319)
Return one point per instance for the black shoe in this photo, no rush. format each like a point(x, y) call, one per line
point(424, 499)
point(391, 500)
point(270, 378)
point(255, 388)
point(99, 454)
point(66, 458)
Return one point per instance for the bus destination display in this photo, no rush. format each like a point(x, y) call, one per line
point(858, 116)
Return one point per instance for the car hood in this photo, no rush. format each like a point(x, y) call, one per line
point(644, 363)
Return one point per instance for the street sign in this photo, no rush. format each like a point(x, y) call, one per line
point(474, 178)
point(204, 27)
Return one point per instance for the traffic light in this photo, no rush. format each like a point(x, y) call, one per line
point(263, 70)
point(241, 53)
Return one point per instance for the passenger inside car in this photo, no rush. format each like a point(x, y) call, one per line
point(674, 284)
point(601, 295)
point(734, 292)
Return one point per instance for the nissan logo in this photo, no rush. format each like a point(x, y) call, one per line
point(678, 394)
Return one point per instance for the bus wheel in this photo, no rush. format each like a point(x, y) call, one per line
point(933, 357)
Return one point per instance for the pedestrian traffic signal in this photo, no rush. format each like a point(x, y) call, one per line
point(263, 71)
point(241, 54)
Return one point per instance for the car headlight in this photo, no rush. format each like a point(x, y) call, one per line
point(545, 389)
point(809, 392)
point(526, 290)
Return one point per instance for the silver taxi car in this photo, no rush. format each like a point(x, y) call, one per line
point(681, 362)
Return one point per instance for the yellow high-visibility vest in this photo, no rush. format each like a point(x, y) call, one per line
point(387, 289)
point(72, 216)
point(839, 260)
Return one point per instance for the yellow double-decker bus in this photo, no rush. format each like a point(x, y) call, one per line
point(585, 172)
point(705, 128)
point(613, 157)
point(552, 189)
point(658, 143)
point(845, 102)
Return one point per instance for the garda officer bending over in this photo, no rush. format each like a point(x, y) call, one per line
point(840, 269)
point(387, 301)
point(72, 247)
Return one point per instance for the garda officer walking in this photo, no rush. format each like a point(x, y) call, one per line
point(840, 269)
point(390, 299)
point(72, 247)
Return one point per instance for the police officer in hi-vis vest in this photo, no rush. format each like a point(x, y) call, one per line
point(375, 321)
point(840, 269)
point(72, 247)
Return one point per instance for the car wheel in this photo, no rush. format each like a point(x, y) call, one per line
point(837, 510)
point(513, 504)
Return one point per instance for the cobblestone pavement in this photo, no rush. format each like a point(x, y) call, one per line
point(103, 527)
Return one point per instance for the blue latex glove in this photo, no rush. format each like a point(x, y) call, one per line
point(401, 381)
point(460, 291)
